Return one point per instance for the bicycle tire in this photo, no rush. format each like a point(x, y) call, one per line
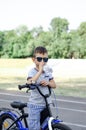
point(6, 120)
point(60, 126)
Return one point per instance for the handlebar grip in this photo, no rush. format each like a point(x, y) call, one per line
point(23, 86)
point(30, 86)
point(34, 86)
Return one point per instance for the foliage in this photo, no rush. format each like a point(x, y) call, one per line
point(58, 39)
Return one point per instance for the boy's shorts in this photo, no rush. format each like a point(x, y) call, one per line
point(34, 116)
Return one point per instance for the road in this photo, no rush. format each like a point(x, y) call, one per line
point(70, 109)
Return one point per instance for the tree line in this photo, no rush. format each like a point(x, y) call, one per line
point(58, 39)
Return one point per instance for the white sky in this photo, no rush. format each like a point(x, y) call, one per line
point(34, 13)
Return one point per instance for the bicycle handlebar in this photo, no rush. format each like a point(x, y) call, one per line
point(29, 86)
point(22, 86)
point(35, 86)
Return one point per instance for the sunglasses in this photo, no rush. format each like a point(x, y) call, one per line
point(39, 59)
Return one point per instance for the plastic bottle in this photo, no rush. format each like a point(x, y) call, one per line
point(47, 69)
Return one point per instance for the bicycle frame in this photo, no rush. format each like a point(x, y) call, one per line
point(15, 117)
point(47, 122)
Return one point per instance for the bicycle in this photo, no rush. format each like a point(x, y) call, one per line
point(9, 120)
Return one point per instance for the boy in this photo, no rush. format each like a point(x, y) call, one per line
point(36, 101)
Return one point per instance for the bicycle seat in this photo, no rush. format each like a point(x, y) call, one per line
point(18, 105)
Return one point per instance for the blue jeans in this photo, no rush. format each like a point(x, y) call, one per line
point(34, 116)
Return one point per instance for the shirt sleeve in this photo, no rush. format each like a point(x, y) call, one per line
point(50, 73)
point(50, 76)
point(31, 73)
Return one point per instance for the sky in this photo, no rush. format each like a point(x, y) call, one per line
point(35, 13)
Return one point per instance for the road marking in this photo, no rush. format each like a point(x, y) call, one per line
point(61, 100)
point(74, 124)
point(83, 111)
point(68, 109)
point(68, 123)
point(78, 102)
point(8, 94)
point(2, 100)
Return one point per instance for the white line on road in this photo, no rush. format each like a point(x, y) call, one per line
point(2, 100)
point(78, 102)
point(75, 110)
point(61, 100)
point(68, 109)
point(68, 123)
point(74, 124)
point(8, 94)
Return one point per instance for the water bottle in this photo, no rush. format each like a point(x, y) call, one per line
point(47, 69)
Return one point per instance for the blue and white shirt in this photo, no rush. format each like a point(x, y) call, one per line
point(35, 97)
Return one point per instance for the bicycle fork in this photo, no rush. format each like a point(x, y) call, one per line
point(48, 123)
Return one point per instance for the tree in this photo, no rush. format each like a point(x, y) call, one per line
point(58, 26)
point(36, 31)
point(59, 40)
point(81, 31)
point(9, 37)
point(59, 29)
point(2, 42)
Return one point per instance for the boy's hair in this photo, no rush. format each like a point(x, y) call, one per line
point(40, 49)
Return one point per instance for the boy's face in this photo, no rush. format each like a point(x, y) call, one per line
point(40, 59)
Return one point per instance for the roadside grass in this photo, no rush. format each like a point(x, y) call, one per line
point(15, 63)
point(75, 88)
point(72, 87)
point(75, 91)
point(10, 80)
point(11, 83)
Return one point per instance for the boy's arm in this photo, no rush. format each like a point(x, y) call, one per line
point(34, 78)
point(50, 83)
point(37, 75)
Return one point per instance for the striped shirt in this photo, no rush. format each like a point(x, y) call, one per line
point(35, 97)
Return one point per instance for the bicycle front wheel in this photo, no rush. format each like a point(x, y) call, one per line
point(60, 126)
point(6, 120)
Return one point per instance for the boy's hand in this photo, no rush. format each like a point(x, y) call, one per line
point(29, 81)
point(44, 83)
point(41, 66)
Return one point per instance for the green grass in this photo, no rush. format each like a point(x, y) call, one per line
point(15, 63)
point(10, 80)
point(74, 88)
point(11, 83)
point(76, 91)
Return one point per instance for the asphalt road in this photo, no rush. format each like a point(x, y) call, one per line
point(71, 110)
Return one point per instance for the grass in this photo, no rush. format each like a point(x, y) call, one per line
point(72, 88)
point(11, 83)
point(15, 63)
point(76, 91)
point(11, 80)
